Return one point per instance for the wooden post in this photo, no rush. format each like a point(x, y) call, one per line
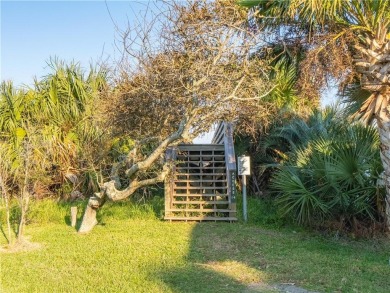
point(243, 170)
point(170, 156)
point(73, 215)
point(244, 202)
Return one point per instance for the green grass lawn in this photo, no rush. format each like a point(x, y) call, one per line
point(134, 251)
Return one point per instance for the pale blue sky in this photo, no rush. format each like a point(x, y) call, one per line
point(34, 31)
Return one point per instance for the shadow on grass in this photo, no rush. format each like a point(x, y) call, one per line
point(246, 258)
point(196, 278)
point(135, 252)
point(237, 257)
point(218, 262)
point(222, 258)
point(80, 212)
point(68, 222)
point(3, 232)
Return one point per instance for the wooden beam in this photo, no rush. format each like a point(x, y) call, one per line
point(205, 218)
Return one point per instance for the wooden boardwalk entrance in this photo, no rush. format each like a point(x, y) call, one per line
point(201, 185)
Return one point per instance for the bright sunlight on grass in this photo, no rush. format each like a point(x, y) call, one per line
point(134, 251)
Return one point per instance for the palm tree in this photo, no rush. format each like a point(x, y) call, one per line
point(12, 112)
point(22, 162)
point(353, 39)
point(64, 108)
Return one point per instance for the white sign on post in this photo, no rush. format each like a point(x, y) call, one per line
point(244, 168)
point(244, 165)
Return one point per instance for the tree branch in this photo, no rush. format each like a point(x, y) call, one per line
point(257, 97)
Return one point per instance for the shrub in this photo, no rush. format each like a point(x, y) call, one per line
point(331, 175)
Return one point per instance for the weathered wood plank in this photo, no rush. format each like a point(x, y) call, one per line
point(201, 174)
point(200, 147)
point(184, 156)
point(200, 161)
point(199, 194)
point(218, 134)
point(203, 187)
point(205, 218)
point(200, 180)
point(199, 165)
point(201, 202)
point(201, 168)
point(200, 210)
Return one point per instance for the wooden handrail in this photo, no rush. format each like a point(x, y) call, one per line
point(219, 133)
point(224, 135)
point(230, 159)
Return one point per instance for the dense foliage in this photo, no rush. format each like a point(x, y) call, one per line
point(50, 139)
point(57, 119)
point(347, 41)
point(330, 173)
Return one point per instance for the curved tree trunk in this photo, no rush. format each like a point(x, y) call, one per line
point(112, 190)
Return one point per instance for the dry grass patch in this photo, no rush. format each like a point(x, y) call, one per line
point(24, 245)
point(238, 271)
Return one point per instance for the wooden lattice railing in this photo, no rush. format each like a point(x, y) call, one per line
point(201, 185)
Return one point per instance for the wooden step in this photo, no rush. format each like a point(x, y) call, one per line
point(181, 188)
point(199, 195)
point(192, 191)
point(197, 168)
point(200, 180)
point(195, 187)
point(190, 155)
point(200, 202)
point(200, 174)
point(204, 218)
point(201, 147)
point(181, 162)
point(200, 210)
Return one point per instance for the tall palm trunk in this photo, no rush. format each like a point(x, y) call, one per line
point(374, 65)
point(384, 132)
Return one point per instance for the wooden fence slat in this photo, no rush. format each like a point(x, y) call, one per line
point(200, 182)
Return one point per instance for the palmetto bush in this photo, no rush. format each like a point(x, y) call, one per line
point(331, 172)
point(59, 112)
